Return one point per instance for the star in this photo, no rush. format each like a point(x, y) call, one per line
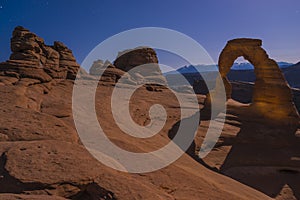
point(1, 7)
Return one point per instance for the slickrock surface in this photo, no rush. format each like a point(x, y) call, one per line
point(28, 197)
point(42, 157)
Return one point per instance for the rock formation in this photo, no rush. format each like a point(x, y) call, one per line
point(145, 57)
point(41, 156)
point(32, 58)
point(259, 145)
point(141, 64)
point(128, 59)
point(272, 97)
point(108, 72)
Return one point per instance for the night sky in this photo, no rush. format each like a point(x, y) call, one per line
point(81, 25)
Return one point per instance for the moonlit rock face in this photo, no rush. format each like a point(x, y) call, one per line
point(272, 97)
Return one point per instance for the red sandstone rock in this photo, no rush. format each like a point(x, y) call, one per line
point(32, 58)
point(41, 154)
point(131, 58)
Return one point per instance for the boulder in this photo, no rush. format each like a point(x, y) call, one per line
point(131, 58)
point(144, 57)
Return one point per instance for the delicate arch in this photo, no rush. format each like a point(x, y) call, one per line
point(272, 96)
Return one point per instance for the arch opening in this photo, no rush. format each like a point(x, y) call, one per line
point(242, 78)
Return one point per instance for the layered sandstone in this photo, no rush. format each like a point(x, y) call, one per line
point(32, 58)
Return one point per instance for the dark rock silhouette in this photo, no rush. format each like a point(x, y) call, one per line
point(291, 74)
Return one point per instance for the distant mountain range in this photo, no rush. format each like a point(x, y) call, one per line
point(291, 74)
point(208, 68)
point(249, 66)
point(241, 72)
point(190, 69)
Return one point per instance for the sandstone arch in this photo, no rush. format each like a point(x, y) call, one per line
point(272, 96)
